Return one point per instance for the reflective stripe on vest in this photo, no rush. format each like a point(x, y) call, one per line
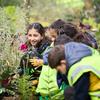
point(97, 93)
point(87, 64)
point(85, 68)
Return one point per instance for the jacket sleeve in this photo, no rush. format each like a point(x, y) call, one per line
point(45, 56)
point(82, 87)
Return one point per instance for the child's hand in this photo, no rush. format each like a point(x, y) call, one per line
point(36, 62)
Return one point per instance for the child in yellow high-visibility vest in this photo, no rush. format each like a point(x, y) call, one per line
point(81, 66)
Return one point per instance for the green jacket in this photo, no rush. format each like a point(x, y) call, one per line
point(47, 86)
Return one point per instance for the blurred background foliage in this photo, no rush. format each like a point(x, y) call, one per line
point(16, 15)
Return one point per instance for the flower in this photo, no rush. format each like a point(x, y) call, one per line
point(6, 82)
point(23, 47)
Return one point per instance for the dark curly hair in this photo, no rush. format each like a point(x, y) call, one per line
point(57, 25)
point(62, 39)
point(70, 30)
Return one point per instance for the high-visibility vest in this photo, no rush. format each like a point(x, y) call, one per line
point(48, 86)
point(87, 64)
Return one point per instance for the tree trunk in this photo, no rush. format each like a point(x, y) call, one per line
point(27, 5)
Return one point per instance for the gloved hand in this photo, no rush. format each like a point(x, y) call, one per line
point(34, 82)
point(36, 62)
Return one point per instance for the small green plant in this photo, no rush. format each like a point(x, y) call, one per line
point(24, 87)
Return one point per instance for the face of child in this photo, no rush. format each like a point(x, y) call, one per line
point(62, 67)
point(34, 37)
point(52, 34)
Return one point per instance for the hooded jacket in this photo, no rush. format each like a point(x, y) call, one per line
point(74, 52)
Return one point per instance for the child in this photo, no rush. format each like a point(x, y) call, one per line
point(57, 26)
point(55, 29)
point(37, 43)
point(81, 68)
point(51, 82)
point(78, 35)
point(60, 27)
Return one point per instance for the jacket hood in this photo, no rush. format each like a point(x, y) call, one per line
point(74, 52)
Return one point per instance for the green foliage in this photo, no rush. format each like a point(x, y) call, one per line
point(24, 87)
point(46, 10)
point(28, 11)
point(71, 3)
point(10, 2)
point(12, 20)
point(6, 73)
point(95, 26)
point(9, 57)
point(50, 10)
point(96, 3)
point(91, 22)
